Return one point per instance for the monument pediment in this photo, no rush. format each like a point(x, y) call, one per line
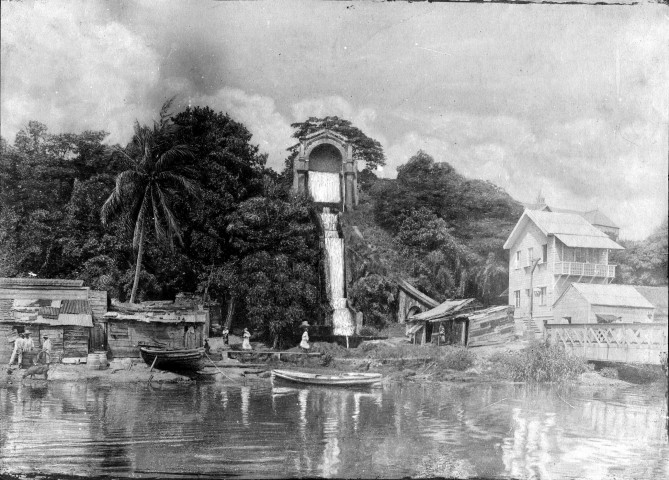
point(325, 134)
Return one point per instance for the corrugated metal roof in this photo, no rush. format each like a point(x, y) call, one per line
point(571, 224)
point(658, 297)
point(76, 319)
point(612, 295)
point(446, 309)
point(598, 218)
point(488, 311)
point(192, 317)
point(40, 282)
point(413, 291)
point(581, 241)
point(75, 307)
point(49, 312)
point(568, 223)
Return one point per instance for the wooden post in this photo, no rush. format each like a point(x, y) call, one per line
point(154, 362)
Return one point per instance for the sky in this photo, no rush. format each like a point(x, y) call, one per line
point(570, 101)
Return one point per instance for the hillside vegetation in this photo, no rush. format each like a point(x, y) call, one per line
point(192, 207)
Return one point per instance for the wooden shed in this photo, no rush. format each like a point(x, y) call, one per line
point(591, 303)
point(412, 301)
point(491, 326)
point(156, 323)
point(60, 309)
point(444, 324)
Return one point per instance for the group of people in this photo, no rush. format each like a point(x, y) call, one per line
point(246, 337)
point(24, 343)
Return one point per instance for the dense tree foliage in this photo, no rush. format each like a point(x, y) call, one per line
point(643, 262)
point(53, 188)
point(449, 229)
point(276, 269)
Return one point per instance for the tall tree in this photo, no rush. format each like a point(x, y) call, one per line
point(146, 189)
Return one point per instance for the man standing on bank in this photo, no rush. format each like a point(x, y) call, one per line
point(18, 350)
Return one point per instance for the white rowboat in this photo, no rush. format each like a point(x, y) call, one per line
point(352, 379)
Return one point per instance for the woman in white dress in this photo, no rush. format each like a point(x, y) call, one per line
point(246, 345)
point(304, 344)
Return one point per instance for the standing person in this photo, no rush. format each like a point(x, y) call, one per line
point(304, 344)
point(46, 348)
point(226, 336)
point(246, 345)
point(18, 350)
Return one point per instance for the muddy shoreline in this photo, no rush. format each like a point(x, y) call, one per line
point(234, 372)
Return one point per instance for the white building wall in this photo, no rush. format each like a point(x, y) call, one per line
point(519, 278)
point(571, 304)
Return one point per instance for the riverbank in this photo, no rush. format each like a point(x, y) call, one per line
point(394, 358)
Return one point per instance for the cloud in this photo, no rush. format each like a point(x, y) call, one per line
point(65, 68)
point(271, 131)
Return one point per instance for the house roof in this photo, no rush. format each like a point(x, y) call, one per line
point(441, 311)
point(572, 227)
point(417, 294)
point(611, 295)
point(76, 306)
point(658, 297)
point(49, 312)
point(40, 282)
point(595, 217)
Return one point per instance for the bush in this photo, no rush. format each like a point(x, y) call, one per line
point(540, 362)
point(373, 296)
point(457, 358)
point(369, 331)
point(609, 372)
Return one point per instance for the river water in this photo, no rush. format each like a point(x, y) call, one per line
point(259, 430)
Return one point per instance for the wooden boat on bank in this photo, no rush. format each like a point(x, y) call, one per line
point(353, 379)
point(163, 358)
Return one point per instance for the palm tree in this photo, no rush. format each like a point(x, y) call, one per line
point(144, 191)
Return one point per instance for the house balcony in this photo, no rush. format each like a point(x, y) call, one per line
point(585, 269)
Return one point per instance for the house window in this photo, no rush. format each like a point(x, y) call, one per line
point(542, 296)
point(544, 253)
point(567, 320)
point(518, 259)
point(530, 256)
point(517, 297)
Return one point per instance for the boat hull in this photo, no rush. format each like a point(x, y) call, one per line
point(341, 380)
point(176, 359)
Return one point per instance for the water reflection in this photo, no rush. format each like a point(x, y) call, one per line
point(257, 430)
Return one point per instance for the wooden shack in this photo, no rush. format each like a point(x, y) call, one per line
point(155, 323)
point(60, 309)
point(444, 324)
point(411, 301)
point(492, 326)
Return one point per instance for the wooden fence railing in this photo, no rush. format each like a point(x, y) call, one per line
point(615, 342)
point(585, 269)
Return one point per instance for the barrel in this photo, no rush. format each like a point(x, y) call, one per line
point(93, 361)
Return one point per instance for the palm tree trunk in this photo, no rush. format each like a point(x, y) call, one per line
point(138, 267)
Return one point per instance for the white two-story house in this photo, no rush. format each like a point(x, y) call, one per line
point(548, 252)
